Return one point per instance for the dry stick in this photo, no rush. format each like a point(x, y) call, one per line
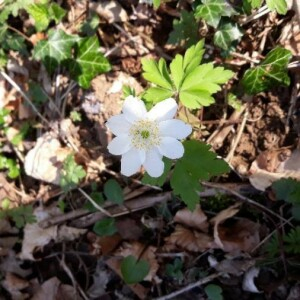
point(20, 33)
point(238, 137)
point(259, 13)
point(246, 200)
point(190, 286)
point(94, 203)
point(16, 86)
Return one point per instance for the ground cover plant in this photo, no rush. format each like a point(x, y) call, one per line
point(149, 149)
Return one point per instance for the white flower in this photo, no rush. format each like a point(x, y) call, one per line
point(143, 138)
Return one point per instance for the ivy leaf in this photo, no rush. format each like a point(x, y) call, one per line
point(270, 72)
point(133, 270)
point(113, 191)
point(212, 11)
point(13, 7)
point(254, 3)
point(56, 13)
point(226, 34)
point(88, 62)
point(40, 14)
point(185, 30)
point(56, 50)
point(279, 5)
point(198, 163)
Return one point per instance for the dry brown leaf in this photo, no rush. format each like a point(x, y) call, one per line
point(129, 229)
point(221, 217)
point(242, 236)
point(53, 289)
point(195, 219)
point(36, 237)
point(138, 251)
point(271, 166)
point(44, 162)
point(14, 284)
point(190, 240)
point(111, 11)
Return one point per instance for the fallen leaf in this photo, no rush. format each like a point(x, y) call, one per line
point(221, 217)
point(271, 166)
point(248, 281)
point(190, 240)
point(14, 284)
point(13, 265)
point(195, 219)
point(111, 11)
point(129, 229)
point(44, 162)
point(242, 236)
point(53, 289)
point(36, 237)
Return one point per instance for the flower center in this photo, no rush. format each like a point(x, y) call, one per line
point(144, 134)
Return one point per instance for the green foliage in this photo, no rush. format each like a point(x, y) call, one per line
point(272, 71)
point(20, 215)
point(175, 270)
point(254, 3)
point(192, 83)
point(198, 163)
point(288, 189)
point(279, 5)
point(43, 13)
point(234, 102)
point(3, 114)
point(56, 50)
point(98, 198)
point(291, 243)
point(11, 41)
point(213, 292)
point(185, 30)
point(156, 3)
point(88, 61)
point(72, 173)
point(90, 26)
point(226, 33)
point(133, 270)
point(113, 191)
point(159, 181)
point(128, 91)
point(19, 137)
point(10, 165)
point(212, 11)
point(80, 55)
point(12, 7)
point(75, 116)
point(36, 93)
point(105, 227)
point(3, 59)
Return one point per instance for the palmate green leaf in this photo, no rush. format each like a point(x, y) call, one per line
point(56, 50)
point(157, 72)
point(279, 5)
point(185, 30)
point(226, 34)
point(156, 94)
point(270, 72)
point(88, 62)
point(212, 11)
point(287, 189)
point(198, 163)
point(292, 241)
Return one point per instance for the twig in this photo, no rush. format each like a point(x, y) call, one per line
point(246, 200)
point(259, 13)
point(104, 211)
point(190, 286)
point(20, 33)
point(16, 86)
point(238, 137)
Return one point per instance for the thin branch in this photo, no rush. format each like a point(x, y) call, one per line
point(16, 86)
point(190, 286)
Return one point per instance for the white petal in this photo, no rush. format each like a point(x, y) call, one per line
point(153, 163)
point(118, 124)
point(119, 145)
point(142, 155)
point(163, 110)
point(175, 128)
point(133, 109)
point(171, 148)
point(130, 162)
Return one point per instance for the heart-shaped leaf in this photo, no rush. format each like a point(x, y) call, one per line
point(133, 270)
